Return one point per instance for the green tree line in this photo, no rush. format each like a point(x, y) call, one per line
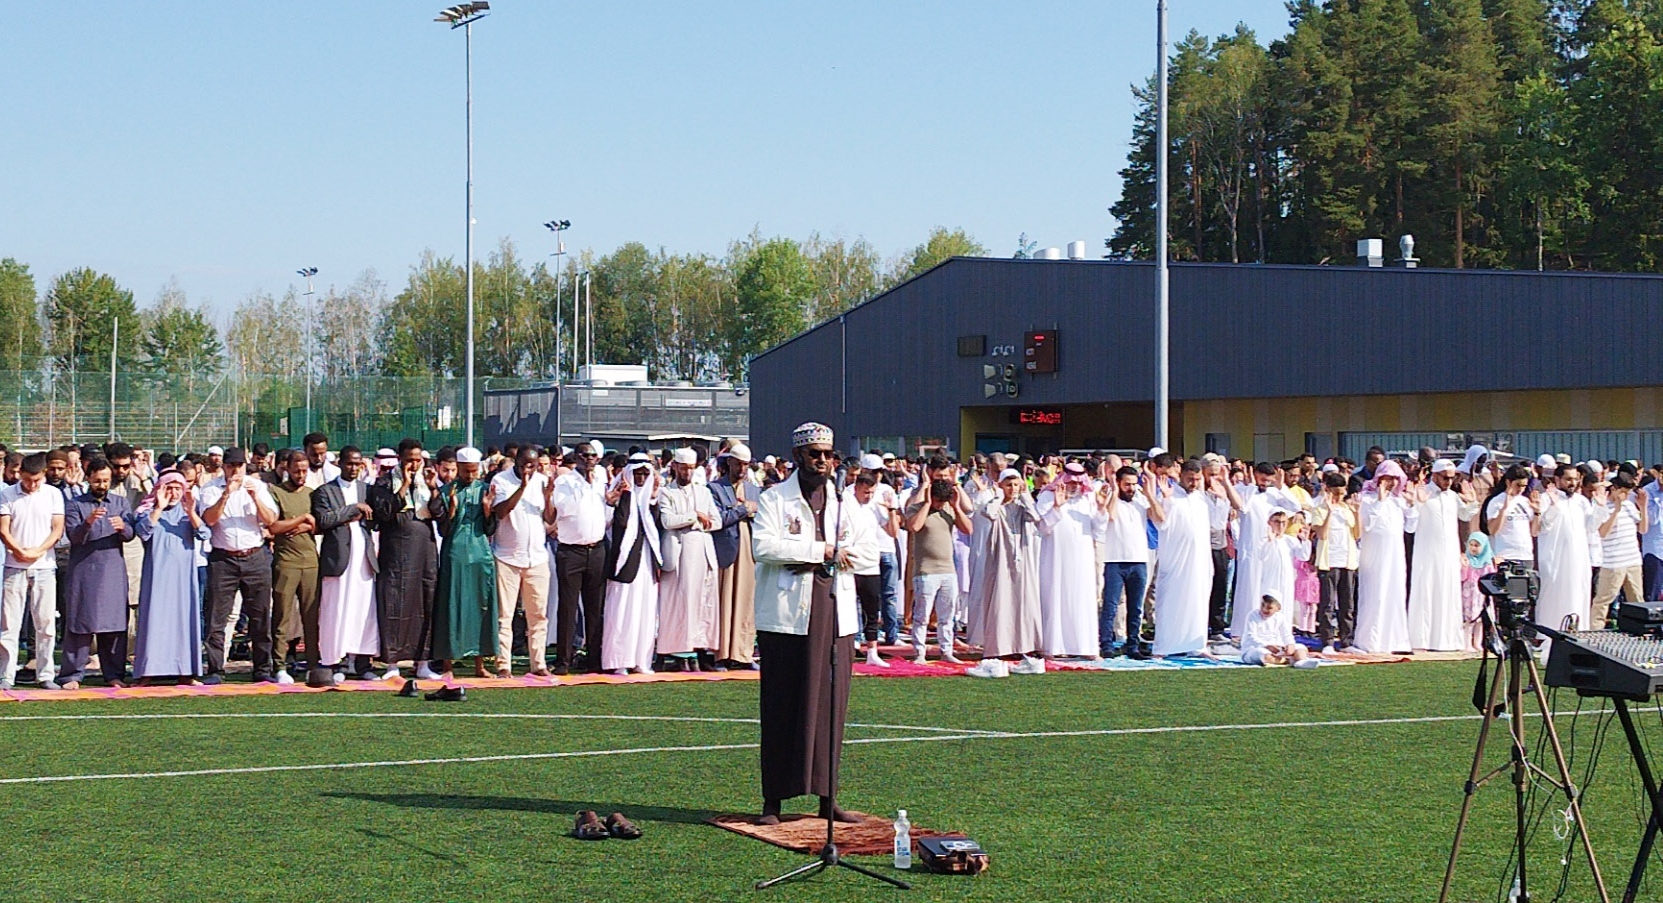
point(686, 316)
point(1500, 133)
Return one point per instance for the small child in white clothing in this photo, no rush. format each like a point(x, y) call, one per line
point(1269, 637)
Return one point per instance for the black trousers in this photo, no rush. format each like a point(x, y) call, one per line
point(869, 590)
point(1337, 608)
point(1216, 621)
point(582, 579)
point(227, 575)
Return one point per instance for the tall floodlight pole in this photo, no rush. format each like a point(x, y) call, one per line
point(1163, 301)
point(557, 226)
point(115, 340)
point(463, 16)
point(307, 273)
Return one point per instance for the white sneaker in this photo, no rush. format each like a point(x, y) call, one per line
point(1029, 665)
point(1328, 649)
point(284, 678)
point(338, 678)
point(873, 659)
point(990, 668)
point(1307, 663)
point(392, 674)
point(423, 672)
point(1356, 650)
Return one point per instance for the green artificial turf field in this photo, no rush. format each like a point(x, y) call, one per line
point(1299, 811)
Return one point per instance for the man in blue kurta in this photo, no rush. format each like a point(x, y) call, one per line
point(98, 523)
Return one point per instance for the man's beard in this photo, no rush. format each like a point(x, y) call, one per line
point(1128, 496)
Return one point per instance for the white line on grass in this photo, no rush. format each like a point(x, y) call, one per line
point(933, 738)
point(526, 716)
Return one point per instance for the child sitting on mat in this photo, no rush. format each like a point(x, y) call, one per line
point(1268, 639)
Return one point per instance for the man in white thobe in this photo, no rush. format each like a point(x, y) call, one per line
point(347, 626)
point(1185, 515)
point(1562, 552)
point(1068, 564)
point(1256, 502)
point(1435, 573)
point(688, 594)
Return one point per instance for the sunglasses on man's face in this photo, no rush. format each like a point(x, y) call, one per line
point(819, 454)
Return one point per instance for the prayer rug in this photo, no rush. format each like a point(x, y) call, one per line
point(386, 686)
point(872, 836)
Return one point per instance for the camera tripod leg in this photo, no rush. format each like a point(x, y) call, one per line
point(1473, 780)
point(1565, 782)
point(802, 871)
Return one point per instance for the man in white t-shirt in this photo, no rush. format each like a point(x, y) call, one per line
point(31, 523)
point(1510, 518)
point(520, 501)
point(1625, 516)
point(1123, 533)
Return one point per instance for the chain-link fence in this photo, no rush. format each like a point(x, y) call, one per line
point(44, 408)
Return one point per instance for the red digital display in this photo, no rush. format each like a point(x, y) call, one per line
point(1036, 416)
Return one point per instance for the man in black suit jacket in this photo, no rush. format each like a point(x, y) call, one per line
point(347, 564)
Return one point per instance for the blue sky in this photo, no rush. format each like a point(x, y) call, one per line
point(227, 144)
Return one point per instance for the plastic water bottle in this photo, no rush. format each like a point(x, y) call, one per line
point(903, 841)
point(1513, 895)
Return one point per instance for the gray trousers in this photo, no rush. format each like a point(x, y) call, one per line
point(112, 656)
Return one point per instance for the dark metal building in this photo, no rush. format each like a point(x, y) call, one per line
point(618, 415)
point(1266, 361)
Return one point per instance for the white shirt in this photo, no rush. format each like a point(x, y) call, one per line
point(519, 540)
point(1621, 546)
point(1512, 541)
point(238, 529)
point(328, 473)
point(879, 506)
point(581, 510)
point(1125, 537)
point(1263, 632)
point(31, 514)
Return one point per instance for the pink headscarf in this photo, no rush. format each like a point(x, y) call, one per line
point(1388, 468)
point(149, 502)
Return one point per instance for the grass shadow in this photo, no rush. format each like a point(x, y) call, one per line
point(568, 808)
point(435, 854)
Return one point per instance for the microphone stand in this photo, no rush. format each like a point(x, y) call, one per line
point(829, 857)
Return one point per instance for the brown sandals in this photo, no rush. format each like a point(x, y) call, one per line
point(621, 827)
point(590, 827)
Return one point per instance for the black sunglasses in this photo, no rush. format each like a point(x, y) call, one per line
point(818, 453)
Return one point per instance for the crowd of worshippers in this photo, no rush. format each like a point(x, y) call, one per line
point(329, 566)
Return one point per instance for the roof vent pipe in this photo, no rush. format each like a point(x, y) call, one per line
point(1049, 254)
point(1371, 252)
point(1077, 250)
point(1406, 246)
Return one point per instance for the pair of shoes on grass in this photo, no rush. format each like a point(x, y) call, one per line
point(590, 827)
point(994, 667)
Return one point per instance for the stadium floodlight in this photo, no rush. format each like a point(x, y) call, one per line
point(463, 16)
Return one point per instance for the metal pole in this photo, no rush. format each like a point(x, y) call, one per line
point(468, 254)
point(1163, 299)
point(577, 344)
point(588, 324)
point(115, 340)
point(310, 300)
point(559, 328)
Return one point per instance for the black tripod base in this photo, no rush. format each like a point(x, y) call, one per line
point(829, 857)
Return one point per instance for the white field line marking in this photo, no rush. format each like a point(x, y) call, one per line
point(525, 716)
point(933, 738)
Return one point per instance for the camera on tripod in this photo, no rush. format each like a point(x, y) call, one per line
point(1513, 587)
